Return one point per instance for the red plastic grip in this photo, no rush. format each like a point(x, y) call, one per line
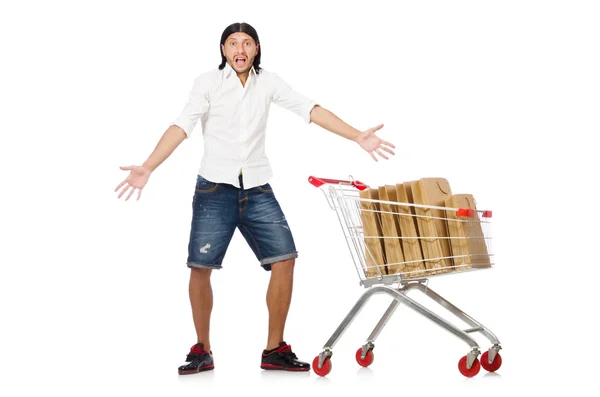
point(471, 213)
point(321, 181)
point(465, 212)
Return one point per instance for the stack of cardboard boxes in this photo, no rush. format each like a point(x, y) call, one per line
point(416, 241)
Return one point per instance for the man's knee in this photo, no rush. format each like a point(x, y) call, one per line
point(285, 266)
point(200, 274)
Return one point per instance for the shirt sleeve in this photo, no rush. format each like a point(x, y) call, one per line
point(196, 106)
point(287, 98)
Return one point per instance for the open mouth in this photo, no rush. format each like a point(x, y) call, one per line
point(240, 61)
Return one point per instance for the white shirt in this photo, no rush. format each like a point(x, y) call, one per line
point(234, 121)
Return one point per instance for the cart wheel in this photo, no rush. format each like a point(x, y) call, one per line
point(468, 372)
point(494, 365)
point(325, 369)
point(368, 360)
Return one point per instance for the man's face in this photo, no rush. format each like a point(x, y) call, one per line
point(240, 50)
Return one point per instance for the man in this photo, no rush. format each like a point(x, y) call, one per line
point(232, 189)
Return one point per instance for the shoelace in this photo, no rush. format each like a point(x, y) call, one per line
point(288, 355)
point(195, 357)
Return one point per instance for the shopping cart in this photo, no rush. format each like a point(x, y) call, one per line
point(396, 247)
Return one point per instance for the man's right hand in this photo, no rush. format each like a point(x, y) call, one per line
point(137, 179)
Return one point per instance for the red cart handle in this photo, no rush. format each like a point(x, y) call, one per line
point(471, 213)
point(321, 181)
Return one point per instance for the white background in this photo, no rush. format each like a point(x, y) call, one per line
point(500, 98)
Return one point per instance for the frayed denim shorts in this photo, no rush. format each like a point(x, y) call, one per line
point(218, 209)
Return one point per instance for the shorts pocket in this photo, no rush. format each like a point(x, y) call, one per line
point(205, 186)
point(266, 188)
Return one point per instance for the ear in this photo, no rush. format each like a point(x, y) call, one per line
point(222, 49)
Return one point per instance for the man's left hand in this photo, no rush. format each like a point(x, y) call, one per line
point(373, 144)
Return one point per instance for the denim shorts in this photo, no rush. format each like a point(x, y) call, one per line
point(219, 208)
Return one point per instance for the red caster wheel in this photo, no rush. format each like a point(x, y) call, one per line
point(468, 372)
point(494, 365)
point(324, 370)
point(364, 362)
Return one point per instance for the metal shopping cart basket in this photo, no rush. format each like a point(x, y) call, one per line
point(397, 246)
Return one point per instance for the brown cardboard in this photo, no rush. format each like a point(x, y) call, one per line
point(456, 230)
point(411, 246)
point(391, 231)
point(435, 192)
point(374, 250)
point(431, 222)
point(409, 196)
point(467, 232)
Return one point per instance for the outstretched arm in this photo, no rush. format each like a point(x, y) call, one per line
point(196, 106)
point(367, 139)
point(167, 144)
point(139, 175)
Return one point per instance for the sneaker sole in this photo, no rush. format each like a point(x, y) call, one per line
point(195, 371)
point(279, 368)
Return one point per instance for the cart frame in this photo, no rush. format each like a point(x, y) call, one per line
point(338, 193)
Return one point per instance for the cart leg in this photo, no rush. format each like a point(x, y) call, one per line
point(337, 334)
point(476, 326)
point(401, 296)
point(386, 317)
point(471, 363)
point(356, 309)
point(370, 344)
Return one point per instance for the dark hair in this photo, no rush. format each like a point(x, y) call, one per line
point(244, 28)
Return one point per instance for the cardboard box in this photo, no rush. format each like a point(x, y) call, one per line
point(411, 246)
point(431, 222)
point(391, 231)
point(372, 233)
point(468, 242)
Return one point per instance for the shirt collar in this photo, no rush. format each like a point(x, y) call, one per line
point(228, 70)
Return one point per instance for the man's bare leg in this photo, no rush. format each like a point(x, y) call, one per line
point(279, 297)
point(201, 299)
